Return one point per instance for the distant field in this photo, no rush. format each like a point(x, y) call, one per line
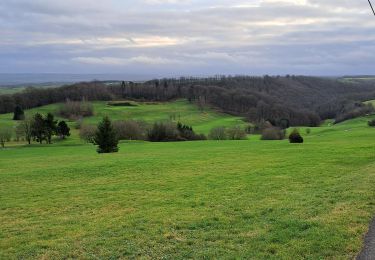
point(358, 79)
point(230, 199)
point(10, 90)
point(15, 89)
point(372, 102)
point(180, 110)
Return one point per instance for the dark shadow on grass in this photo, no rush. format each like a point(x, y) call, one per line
point(368, 251)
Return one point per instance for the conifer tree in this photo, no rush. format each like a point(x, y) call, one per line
point(105, 137)
point(18, 114)
point(50, 127)
point(38, 130)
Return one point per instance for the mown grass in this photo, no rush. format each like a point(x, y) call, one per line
point(180, 110)
point(228, 199)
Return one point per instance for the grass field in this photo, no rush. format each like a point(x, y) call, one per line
point(207, 199)
point(180, 110)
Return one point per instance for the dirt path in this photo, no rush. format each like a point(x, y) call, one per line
point(368, 251)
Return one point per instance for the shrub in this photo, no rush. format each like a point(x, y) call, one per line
point(75, 109)
point(273, 133)
point(87, 133)
point(24, 130)
point(129, 130)
point(259, 127)
point(236, 133)
point(201, 137)
point(122, 104)
point(186, 133)
point(5, 135)
point(371, 123)
point(308, 131)
point(168, 131)
point(295, 137)
point(163, 132)
point(217, 133)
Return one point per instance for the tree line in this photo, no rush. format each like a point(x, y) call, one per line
point(164, 131)
point(37, 128)
point(297, 100)
point(106, 137)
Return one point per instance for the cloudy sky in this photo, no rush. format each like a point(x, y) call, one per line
point(187, 37)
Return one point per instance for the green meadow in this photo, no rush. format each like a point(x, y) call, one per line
point(207, 199)
point(180, 110)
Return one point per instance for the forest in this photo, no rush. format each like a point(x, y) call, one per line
point(281, 100)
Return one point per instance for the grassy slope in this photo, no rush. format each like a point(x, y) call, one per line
point(181, 109)
point(253, 199)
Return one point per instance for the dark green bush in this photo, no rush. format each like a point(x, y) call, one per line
point(122, 104)
point(371, 123)
point(295, 137)
point(168, 132)
point(163, 132)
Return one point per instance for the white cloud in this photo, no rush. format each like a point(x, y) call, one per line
point(144, 60)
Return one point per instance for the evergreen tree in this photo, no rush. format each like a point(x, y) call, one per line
point(105, 137)
point(50, 127)
point(63, 130)
point(38, 129)
point(18, 114)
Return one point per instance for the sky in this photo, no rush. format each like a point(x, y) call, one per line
point(187, 37)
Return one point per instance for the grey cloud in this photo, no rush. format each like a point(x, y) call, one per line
point(171, 37)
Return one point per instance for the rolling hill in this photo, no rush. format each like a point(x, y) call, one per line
point(180, 110)
point(205, 199)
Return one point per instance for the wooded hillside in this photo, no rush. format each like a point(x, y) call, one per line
point(294, 100)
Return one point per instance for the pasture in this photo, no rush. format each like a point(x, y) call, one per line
point(204, 199)
point(180, 110)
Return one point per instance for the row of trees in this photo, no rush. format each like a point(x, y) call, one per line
point(107, 134)
point(163, 132)
point(43, 128)
point(106, 137)
point(38, 128)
